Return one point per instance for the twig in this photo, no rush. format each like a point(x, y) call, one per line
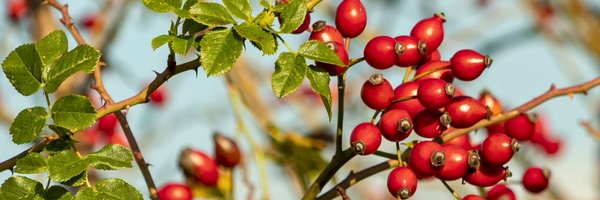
point(39, 147)
point(342, 193)
point(340, 119)
point(553, 92)
point(336, 163)
point(591, 130)
point(451, 190)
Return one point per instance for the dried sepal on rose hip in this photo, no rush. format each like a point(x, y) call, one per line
point(402, 182)
point(382, 52)
point(351, 18)
point(226, 150)
point(365, 139)
point(200, 166)
point(339, 50)
point(175, 191)
point(467, 65)
point(497, 149)
point(377, 93)
point(535, 179)
point(325, 33)
point(435, 93)
point(413, 49)
point(431, 31)
point(427, 158)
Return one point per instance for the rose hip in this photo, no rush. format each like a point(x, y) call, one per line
point(427, 158)
point(377, 93)
point(175, 191)
point(521, 127)
point(457, 163)
point(396, 125)
point(408, 89)
point(325, 33)
point(199, 165)
point(227, 151)
point(382, 52)
point(431, 123)
point(486, 175)
point(332, 69)
point(444, 74)
point(431, 31)
point(365, 139)
point(435, 93)
point(466, 111)
point(467, 64)
point(535, 179)
point(402, 182)
point(498, 149)
point(351, 18)
point(413, 49)
point(501, 192)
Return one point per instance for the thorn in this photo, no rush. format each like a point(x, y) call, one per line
point(521, 112)
point(156, 72)
point(552, 87)
point(571, 96)
point(102, 63)
point(148, 165)
point(127, 109)
point(584, 92)
point(196, 70)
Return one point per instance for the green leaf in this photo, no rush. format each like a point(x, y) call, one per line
point(62, 132)
point(290, 70)
point(64, 166)
point(28, 125)
point(31, 163)
point(163, 6)
point(52, 46)
point(23, 68)
point(319, 82)
point(192, 27)
point(58, 193)
point(219, 49)
point(293, 16)
point(83, 58)
point(111, 157)
point(74, 112)
point(254, 33)
point(239, 8)
point(318, 51)
point(116, 189)
point(264, 19)
point(21, 188)
point(77, 180)
point(183, 44)
point(85, 193)
point(57, 145)
point(280, 7)
point(211, 14)
point(162, 40)
point(265, 4)
point(185, 11)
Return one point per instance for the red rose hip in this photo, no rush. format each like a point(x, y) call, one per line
point(427, 158)
point(199, 165)
point(497, 149)
point(431, 31)
point(467, 64)
point(377, 93)
point(351, 18)
point(332, 69)
point(402, 182)
point(535, 179)
point(382, 52)
point(435, 93)
point(435, 56)
point(521, 127)
point(462, 141)
point(396, 125)
point(431, 123)
point(17, 9)
point(501, 192)
point(444, 74)
point(227, 151)
point(304, 24)
point(175, 191)
point(408, 89)
point(413, 49)
point(486, 175)
point(466, 111)
point(457, 163)
point(473, 197)
point(365, 139)
point(325, 33)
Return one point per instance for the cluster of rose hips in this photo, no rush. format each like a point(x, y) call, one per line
point(430, 105)
point(202, 168)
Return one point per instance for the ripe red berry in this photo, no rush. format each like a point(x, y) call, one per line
point(402, 183)
point(396, 125)
point(466, 111)
point(175, 191)
point(435, 93)
point(118, 138)
point(325, 33)
point(501, 192)
point(90, 20)
point(335, 70)
point(535, 179)
point(413, 49)
point(444, 74)
point(200, 166)
point(408, 89)
point(382, 52)
point(487, 99)
point(159, 96)
point(458, 163)
point(377, 93)
point(427, 158)
point(227, 151)
point(89, 136)
point(17, 9)
point(486, 175)
point(365, 139)
point(107, 123)
point(497, 149)
point(431, 123)
point(521, 127)
point(351, 18)
point(431, 31)
point(473, 197)
point(462, 141)
point(435, 56)
point(304, 24)
point(467, 64)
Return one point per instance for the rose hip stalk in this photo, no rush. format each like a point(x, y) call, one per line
point(351, 18)
point(332, 69)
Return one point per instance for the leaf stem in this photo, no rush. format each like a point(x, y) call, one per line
point(47, 184)
point(429, 72)
point(399, 153)
point(451, 190)
point(482, 191)
point(355, 61)
point(403, 99)
point(286, 45)
point(48, 101)
point(311, 4)
point(375, 116)
point(385, 155)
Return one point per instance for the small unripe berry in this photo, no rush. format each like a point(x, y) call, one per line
point(444, 74)
point(382, 52)
point(175, 191)
point(535, 179)
point(501, 192)
point(351, 18)
point(365, 139)
point(486, 175)
point(497, 149)
point(325, 33)
point(466, 111)
point(402, 183)
point(521, 127)
point(457, 163)
point(431, 123)
point(332, 69)
point(412, 106)
point(396, 125)
point(413, 49)
point(377, 93)
point(427, 158)
point(435, 93)
point(227, 151)
point(200, 166)
point(431, 31)
point(467, 64)
point(473, 197)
